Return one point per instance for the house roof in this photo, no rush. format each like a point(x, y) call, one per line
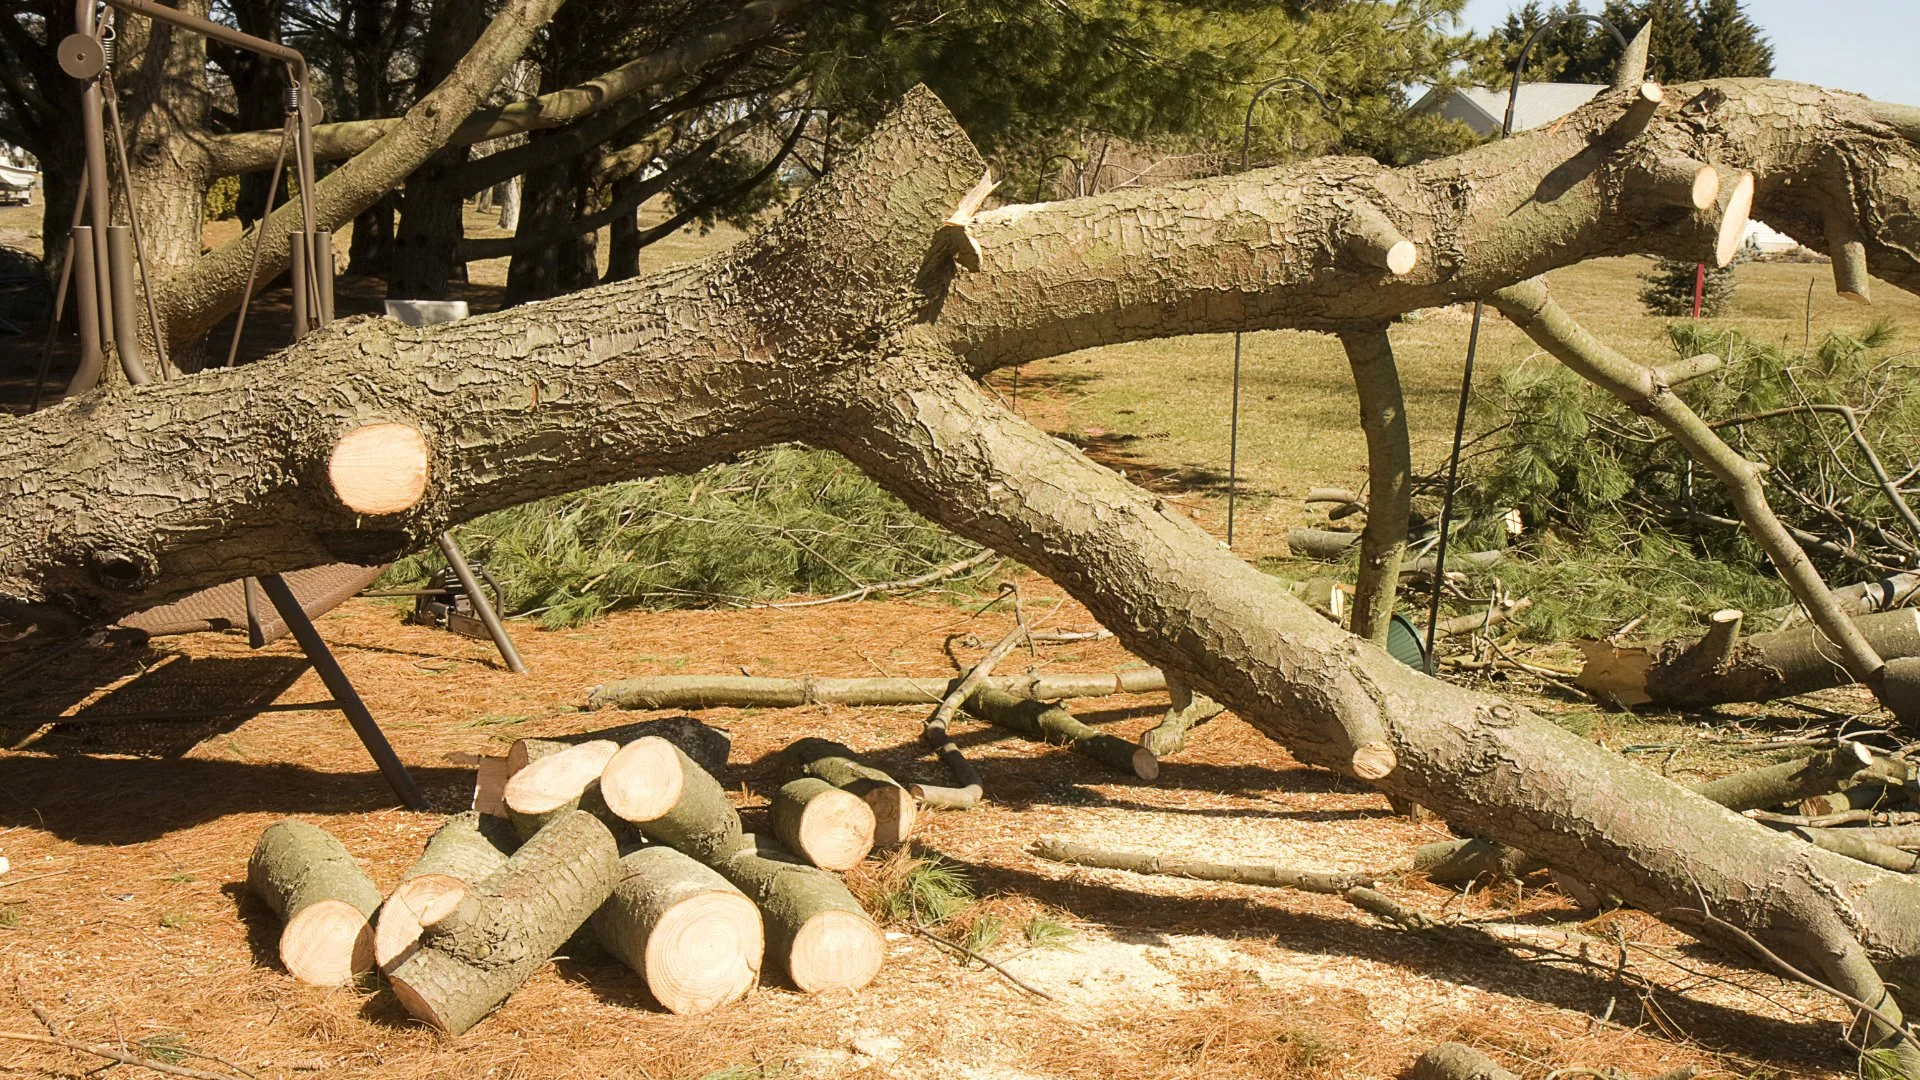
point(1483, 109)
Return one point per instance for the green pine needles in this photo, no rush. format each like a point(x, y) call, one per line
point(783, 521)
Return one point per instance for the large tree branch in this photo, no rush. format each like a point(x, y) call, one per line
point(1383, 419)
point(255, 150)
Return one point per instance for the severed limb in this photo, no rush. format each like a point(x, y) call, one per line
point(1187, 710)
point(1531, 308)
point(1383, 417)
point(749, 691)
point(1142, 862)
point(967, 789)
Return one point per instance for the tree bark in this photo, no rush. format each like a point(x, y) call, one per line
point(1383, 417)
point(322, 896)
point(893, 808)
point(465, 851)
point(1697, 672)
point(694, 939)
point(503, 930)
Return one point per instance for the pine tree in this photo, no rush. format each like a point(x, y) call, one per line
point(1668, 289)
point(1692, 40)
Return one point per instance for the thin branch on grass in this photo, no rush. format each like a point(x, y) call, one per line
point(116, 1056)
point(968, 787)
point(941, 573)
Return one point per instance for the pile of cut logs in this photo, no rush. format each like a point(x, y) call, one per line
point(632, 838)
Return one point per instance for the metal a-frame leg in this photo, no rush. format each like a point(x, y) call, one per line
point(481, 605)
point(344, 695)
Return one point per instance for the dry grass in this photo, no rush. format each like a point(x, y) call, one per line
point(143, 929)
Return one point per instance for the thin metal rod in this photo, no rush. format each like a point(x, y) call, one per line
point(1473, 341)
point(298, 267)
point(1233, 422)
point(323, 273)
point(343, 692)
point(133, 221)
point(259, 238)
point(481, 605)
point(96, 150)
point(126, 324)
point(86, 293)
point(53, 325)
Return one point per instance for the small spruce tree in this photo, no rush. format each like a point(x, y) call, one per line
point(1668, 289)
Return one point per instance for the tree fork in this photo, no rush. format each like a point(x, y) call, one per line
point(465, 851)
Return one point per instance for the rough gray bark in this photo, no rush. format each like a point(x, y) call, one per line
point(1383, 417)
point(504, 929)
point(468, 849)
point(834, 324)
point(321, 895)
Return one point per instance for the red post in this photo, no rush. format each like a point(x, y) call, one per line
point(1699, 286)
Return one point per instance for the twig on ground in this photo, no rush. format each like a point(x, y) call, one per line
point(114, 1055)
point(969, 787)
point(957, 947)
point(939, 573)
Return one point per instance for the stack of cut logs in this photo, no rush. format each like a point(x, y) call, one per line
point(633, 838)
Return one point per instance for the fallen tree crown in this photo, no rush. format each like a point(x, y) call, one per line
point(858, 321)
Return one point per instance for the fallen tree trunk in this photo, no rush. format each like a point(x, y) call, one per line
point(1140, 862)
point(323, 897)
point(558, 783)
point(894, 811)
point(1789, 781)
point(506, 927)
point(1725, 667)
point(752, 692)
point(694, 939)
point(656, 786)
point(830, 828)
point(815, 928)
point(834, 325)
point(465, 851)
point(1047, 723)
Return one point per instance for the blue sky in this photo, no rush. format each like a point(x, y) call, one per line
point(1868, 46)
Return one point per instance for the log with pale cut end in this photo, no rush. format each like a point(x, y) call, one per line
point(830, 828)
point(1760, 667)
point(1640, 109)
point(694, 938)
point(471, 958)
point(1044, 722)
point(894, 810)
point(655, 785)
point(1728, 217)
point(1679, 181)
point(816, 930)
point(1457, 1061)
point(557, 783)
point(468, 849)
point(379, 468)
point(322, 895)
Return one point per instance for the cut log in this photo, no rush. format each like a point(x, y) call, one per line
point(1372, 239)
point(830, 828)
point(655, 785)
point(1322, 544)
point(465, 851)
point(557, 783)
point(379, 468)
point(894, 812)
point(1684, 673)
point(690, 935)
point(322, 896)
point(1457, 1061)
point(1050, 723)
point(506, 927)
point(815, 929)
point(1187, 710)
point(1789, 781)
point(1140, 862)
point(750, 692)
point(1864, 848)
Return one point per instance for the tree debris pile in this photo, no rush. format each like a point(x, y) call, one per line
point(635, 845)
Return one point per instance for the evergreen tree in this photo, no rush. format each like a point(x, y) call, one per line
point(1692, 39)
point(1668, 289)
